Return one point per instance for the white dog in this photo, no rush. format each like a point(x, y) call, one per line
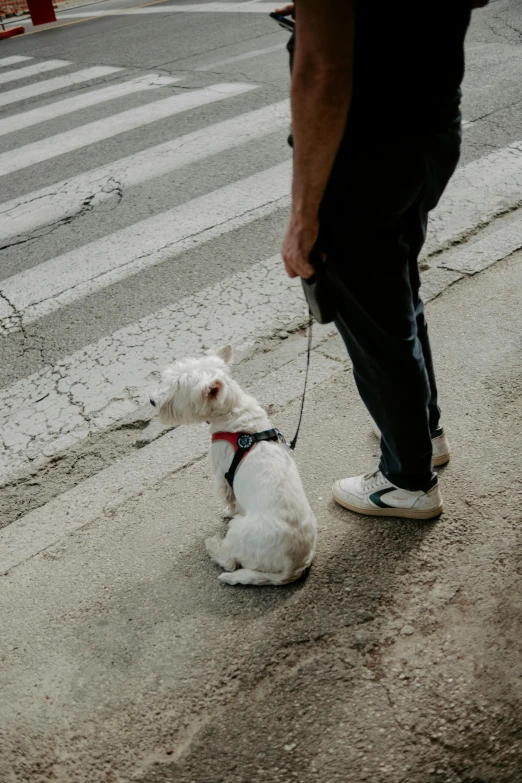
point(272, 532)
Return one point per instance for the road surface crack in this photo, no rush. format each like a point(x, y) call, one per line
point(509, 26)
point(16, 317)
point(110, 187)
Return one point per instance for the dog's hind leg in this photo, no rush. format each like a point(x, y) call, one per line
point(217, 549)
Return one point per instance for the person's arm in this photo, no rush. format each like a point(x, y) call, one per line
point(320, 98)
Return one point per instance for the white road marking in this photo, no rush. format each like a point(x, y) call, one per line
point(81, 101)
point(204, 8)
point(66, 198)
point(477, 256)
point(32, 70)
point(99, 384)
point(99, 494)
point(57, 83)
point(106, 128)
point(14, 60)
point(477, 192)
point(243, 56)
point(45, 288)
point(140, 471)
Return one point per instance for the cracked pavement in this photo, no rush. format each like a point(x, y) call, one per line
point(98, 385)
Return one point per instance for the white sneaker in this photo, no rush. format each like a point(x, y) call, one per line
point(373, 494)
point(439, 442)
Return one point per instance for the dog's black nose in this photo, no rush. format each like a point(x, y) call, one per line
point(152, 402)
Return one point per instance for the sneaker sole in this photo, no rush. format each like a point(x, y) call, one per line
point(442, 459)
point(407, 513)
point(437, 462)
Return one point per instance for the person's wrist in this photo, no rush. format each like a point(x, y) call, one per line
point(305, 218)
point(306, 235)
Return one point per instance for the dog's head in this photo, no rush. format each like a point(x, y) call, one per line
point(195, 390)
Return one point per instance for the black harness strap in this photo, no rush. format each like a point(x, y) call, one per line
point(244, 444)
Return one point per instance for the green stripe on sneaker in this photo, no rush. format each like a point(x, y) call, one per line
point(376, 497)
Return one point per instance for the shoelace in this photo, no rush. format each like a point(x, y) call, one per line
point(374, 479)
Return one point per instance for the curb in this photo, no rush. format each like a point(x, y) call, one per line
point(11, 32)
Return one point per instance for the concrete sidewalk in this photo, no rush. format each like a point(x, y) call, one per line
point(397, 660)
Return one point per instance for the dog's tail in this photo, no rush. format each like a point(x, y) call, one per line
point(245, 576)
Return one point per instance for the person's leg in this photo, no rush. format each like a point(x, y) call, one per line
point(377, 322)
point(442, 152)
point(373, 225)
point(416, 235)
point(364, 228)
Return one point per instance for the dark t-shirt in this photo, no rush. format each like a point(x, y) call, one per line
point(408, 65)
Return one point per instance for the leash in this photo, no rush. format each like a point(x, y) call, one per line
point(293, 442)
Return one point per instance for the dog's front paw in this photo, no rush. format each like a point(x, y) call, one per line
point(228, 512)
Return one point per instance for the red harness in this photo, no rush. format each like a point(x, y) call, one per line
point(242, 442)
point(231, 437)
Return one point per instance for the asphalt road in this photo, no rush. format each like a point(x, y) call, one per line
point(144, 179)
point(93, 243)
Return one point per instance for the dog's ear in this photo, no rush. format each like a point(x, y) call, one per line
point(226, 354)
point(214, 389)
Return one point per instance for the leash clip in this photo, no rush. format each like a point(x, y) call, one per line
point(281, 438)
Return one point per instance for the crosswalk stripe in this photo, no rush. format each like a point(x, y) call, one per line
point(83, 100)
point(204, 8)
point(467, 204)
point(32, 70)
point(62, 280)
point(242, 56)
point(99, 384)
point(66, 198)
point(56, 83)
point(111, 126)
point(476, 256)
point(14, 60)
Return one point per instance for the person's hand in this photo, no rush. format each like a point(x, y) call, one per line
point(297, 245)
point(286, 10)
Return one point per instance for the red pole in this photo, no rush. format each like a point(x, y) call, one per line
point(41, 11)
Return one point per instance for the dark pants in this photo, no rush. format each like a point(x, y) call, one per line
point(373, 224)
